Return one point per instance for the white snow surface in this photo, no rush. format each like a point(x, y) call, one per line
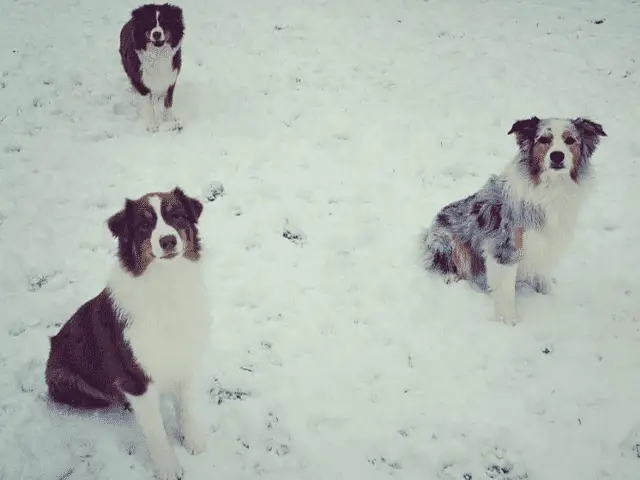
point(349, 123)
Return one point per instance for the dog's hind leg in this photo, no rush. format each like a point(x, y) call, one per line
point(437, 253)
point(71, 389)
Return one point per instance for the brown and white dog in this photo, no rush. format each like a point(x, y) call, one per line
point(145, 333)
point(520, 222)
point(151, 54)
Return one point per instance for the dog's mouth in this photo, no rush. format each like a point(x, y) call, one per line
point(166, 256)
point(157, 43)
point(556, 166)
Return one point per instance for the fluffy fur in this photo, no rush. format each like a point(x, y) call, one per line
point(145, 333)
point(520, 222)
point(151, 55)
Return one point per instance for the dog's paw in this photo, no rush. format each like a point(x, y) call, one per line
point(153, 127)
point(194, 441)
point(173, 126)
point(450, 278)
point(549, 287)
point(176, 126)
point(506, 318)
point(506, 312)
point(172, 122)
point(545, 285)
point(168, 469)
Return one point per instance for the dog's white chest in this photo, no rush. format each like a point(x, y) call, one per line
point(543, 248)
point(168, 327)
point(156, 68)
point(167, 344)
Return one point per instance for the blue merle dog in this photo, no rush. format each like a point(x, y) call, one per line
point(519, 223)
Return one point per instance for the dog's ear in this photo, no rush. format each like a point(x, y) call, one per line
point(590, 132)
point(527, 127)
point(148, 10)
point(137, 31)
point(137, 12)
point(525, 131)
point(118, 223)
point(588, 127)
point(175, 14)
point(177, 11)
point(193, 206)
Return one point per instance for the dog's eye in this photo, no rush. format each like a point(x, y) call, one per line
point(177, 216)
point(570, 141)
point(544, 140)
point(144, 227)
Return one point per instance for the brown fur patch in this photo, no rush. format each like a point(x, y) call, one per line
point(467, 263)
point(539, 152)
point(519, 241)
point(190, 249)
point(145, 256)
point(575, 149)
point(519, 238)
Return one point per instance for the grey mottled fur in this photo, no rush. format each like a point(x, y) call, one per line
point(483, 220)
point(488, 222)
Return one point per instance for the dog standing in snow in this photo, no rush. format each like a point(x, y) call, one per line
point(520, 222)
point(151, 54)
point(146, 332)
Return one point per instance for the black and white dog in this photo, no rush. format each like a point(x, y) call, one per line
point(519, 223)
point(145, 333)
point(150, 50)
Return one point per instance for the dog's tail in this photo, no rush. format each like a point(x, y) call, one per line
point(70, 389)
point(436, 247)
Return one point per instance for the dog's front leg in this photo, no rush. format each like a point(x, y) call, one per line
point(146, 408)
point(168, 114)
point(502, 271)
point(189, 415)
point(147, 107)
point(146, 101)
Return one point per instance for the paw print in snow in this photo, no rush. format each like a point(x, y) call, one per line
point(213, 191)
point(37, 282)
point(293, 233)
point(220, 394)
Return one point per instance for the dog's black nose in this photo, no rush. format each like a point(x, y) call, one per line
point(556, 159)
point(168, 242)
point(156, 35)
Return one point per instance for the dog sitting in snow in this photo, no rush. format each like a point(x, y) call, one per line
point(151, 54)
point(145, 333)
point(519, 223)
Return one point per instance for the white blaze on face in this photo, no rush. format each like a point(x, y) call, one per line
point(162, 230)
point(157, 33)
point(558, 148)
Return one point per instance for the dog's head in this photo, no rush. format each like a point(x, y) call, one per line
point(156, 25)
point(157, 227)
point(557, 146)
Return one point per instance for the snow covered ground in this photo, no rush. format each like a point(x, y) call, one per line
point(347, 123)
